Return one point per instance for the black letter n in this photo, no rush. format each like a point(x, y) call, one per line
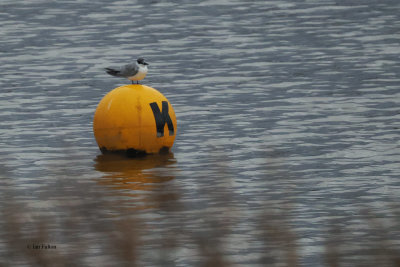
point(162, 118)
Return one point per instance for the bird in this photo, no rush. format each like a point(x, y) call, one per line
point(135, 71)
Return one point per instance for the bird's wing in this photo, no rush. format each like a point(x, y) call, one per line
point(112, 72)
point(129, 70)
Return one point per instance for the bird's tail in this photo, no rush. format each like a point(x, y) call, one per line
point(112, 71)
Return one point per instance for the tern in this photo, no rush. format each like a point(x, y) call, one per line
point(135, 71)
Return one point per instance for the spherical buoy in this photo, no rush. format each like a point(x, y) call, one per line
point(134, 119)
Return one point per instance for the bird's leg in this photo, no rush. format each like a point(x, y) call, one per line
point(132, 82)
point(137, 82)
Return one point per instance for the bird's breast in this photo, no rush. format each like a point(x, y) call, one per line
point(139, 75)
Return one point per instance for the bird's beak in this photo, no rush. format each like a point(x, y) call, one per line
point(145, 63)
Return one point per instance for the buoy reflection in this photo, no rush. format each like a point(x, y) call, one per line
point(143, 173)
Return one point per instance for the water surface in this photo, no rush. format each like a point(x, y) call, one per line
point(288, 119)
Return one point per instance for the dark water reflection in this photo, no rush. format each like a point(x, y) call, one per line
point(288, 131)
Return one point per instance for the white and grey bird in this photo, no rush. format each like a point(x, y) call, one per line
point(135, 71)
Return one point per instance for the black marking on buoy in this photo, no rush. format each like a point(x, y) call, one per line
point(130, 152)
point(162, 118)
point(133, 153)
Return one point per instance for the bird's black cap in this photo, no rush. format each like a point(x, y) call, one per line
point(141, 61)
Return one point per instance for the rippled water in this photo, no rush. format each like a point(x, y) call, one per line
point(283, 107)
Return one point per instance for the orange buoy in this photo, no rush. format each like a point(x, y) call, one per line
point(135, 119)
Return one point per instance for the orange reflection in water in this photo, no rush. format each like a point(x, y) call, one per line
point(132, 174)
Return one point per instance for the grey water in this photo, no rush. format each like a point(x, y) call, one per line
point(287, 142)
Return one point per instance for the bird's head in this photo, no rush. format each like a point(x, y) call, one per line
point(141, 61)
